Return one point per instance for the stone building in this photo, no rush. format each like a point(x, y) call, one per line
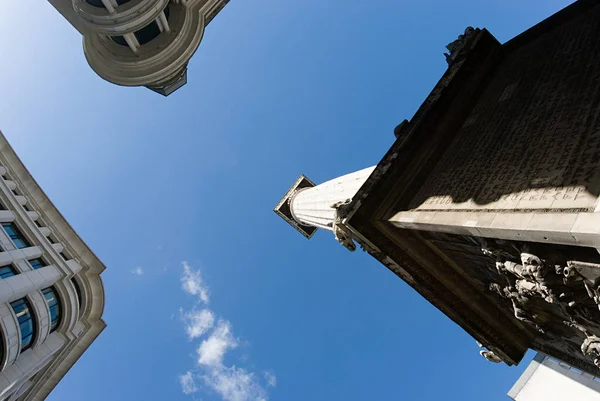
point(51, 294)
point(487, 203)
point(140, 42)
point(548, 379)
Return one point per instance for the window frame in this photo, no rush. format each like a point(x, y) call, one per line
point(54, 323)
point(42, 263)
point(32, 318)
point(11, 268)
point(79, 292)
point(17, 236)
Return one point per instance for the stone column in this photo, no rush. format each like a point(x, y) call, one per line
point(317, 206)
point(307, 206)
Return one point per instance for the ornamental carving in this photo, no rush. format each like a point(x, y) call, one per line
point(342, 235)
point(490, 356)
point(570, 292)
point(455, 48)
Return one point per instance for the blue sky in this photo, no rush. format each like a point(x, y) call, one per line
point(175, 195)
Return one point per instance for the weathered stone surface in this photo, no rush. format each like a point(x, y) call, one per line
point(533, 139)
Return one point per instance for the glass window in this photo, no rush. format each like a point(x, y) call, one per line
point(54, 306)
point(37, 263)
point(14, 234)
point(26, 322)
point(98, 3)
point(6, 271)
point(64, 256)
point(144, 35)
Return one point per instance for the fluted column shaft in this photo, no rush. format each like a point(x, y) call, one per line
point(316, 206)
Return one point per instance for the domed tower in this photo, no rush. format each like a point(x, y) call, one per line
point(140, 42)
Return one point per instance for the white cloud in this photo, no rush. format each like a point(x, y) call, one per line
point(192, 283)
point(234, 384)
point(138, 271)
point(212, 350)
point(197, 322)
point(271, 379)
point(229, 382)
point(188, 385)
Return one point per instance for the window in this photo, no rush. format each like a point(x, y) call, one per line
point(98, 3)
point(37, 223)
point(144, 35)
point(51, 240)
point(78, 291)
point(26, 208)
point(54, 306)
point(14, 234)
point(6, 271)
point(37, 263)
point(64, 256)
point(26, 322)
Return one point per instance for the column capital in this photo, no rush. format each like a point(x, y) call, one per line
point(284, 210)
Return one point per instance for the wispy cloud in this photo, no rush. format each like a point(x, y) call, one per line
point(197, 322)
point(230, 382)
point(271, 379)
point(138, 271)
point(235, 384)
point(192, 283)
point(188, 385)
point(212, 350)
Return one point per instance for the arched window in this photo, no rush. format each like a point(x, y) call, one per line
point(22, 309)
point(54, 306)
point(146, 34)
point(98, 3)
point(79, 294)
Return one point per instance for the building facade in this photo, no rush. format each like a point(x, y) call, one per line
point(487, 203)
point(140, 42)
point(51, 294)
point(548, 379)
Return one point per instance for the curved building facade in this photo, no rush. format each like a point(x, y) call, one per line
point(51, 294)
point(140, 42)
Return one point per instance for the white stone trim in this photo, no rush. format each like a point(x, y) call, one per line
point(579, 229)
point(167, 55)
point(127, 18)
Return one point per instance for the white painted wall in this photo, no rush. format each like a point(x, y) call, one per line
point(550, 380)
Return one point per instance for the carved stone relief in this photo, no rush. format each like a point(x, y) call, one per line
point(343, 236)
point(459, 44)
point(572, 290)
point(489, 355)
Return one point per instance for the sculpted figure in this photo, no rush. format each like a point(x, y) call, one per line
point(591, 346)
point(489, 355)
point(341, 235)
point(518, 301)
